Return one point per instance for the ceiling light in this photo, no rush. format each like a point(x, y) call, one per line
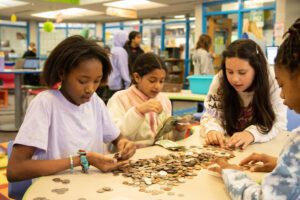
point(135, 4)
point(86, 2)
point(179, 16)
point(67, 13)
point(253, 2)
point(11, 3)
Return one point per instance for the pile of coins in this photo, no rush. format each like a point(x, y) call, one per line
point(170, 170)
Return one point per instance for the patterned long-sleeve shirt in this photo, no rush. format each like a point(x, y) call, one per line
point(283, 183)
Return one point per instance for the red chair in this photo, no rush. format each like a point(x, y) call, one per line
point(8, 81)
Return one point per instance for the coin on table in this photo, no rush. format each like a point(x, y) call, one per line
point(82, 199)
point(118, 156)
point(65, 181)
point(167, 189)
point(56, 180)
point(61, 190)
point(107, 189)
point(100, 190)
point(40, 198)
point(181, 195)
point(171, 193)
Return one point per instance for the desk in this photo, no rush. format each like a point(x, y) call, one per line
point(18, 96)
point(185, 95)
point(203, 186)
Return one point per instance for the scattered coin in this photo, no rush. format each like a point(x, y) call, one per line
point(40, 198)
point(82, 199)
point(171, 193)
point(100, 190)
point(118, 156)
point(65, 181)
point(107, 189)
point(60, 190)
point(104, 189)
point(181, 195)
point(56, 180)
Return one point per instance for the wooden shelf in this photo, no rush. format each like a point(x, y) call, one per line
point(177, 75)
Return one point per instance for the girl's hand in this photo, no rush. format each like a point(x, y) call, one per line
point(242, 139)
point(215, 138)
point(183, 124)
point(223, 164)
point(151, 105)
point(126, 148)
point(104, 163)
point(269, 162)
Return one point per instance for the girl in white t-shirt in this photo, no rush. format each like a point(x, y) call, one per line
point(59, 123)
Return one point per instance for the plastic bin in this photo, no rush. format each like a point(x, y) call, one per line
point(199, 84)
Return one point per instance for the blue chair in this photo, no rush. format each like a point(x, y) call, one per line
point(16, 190)
point(293, 120)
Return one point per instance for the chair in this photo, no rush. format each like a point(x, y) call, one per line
point(16, 190)
point(293, 120)
point(3, 98)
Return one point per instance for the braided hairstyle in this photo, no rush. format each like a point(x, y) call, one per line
point(288, 55)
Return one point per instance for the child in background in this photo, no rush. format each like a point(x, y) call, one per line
point(202, 60)
point(133, 48)
point(284, 180)
point(59, 123)
point(243, 99)
point(119, 78)
point(140, 110)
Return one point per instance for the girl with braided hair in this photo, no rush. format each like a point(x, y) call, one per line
point(284, 180)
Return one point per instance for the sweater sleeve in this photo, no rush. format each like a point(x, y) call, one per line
point(211, 119)
point(281, 183)
point(128, 122)
point(280, 111)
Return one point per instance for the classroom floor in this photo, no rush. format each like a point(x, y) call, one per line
point(7, 116)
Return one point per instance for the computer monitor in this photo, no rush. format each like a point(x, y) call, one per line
point(31, 63)
point(271, 54)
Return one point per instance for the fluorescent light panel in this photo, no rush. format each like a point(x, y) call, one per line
point(179, 16)
point(134, 4)
point(11, 3)
point(67, 13)
point(86, 2)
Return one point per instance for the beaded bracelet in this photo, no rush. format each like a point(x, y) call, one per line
point(71, 164)
point(83, 161)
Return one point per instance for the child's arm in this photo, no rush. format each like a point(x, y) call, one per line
point(127, 148)
point(211, 121)
point(22, 167)
point(281, 183)
point(128, 122)
point(212, 117)
point(280, 110)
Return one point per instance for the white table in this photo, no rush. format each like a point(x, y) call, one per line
point(18, 96)
point(204, 186)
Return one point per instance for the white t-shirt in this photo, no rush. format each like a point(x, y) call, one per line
point(58, 128)
point(202, 61)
